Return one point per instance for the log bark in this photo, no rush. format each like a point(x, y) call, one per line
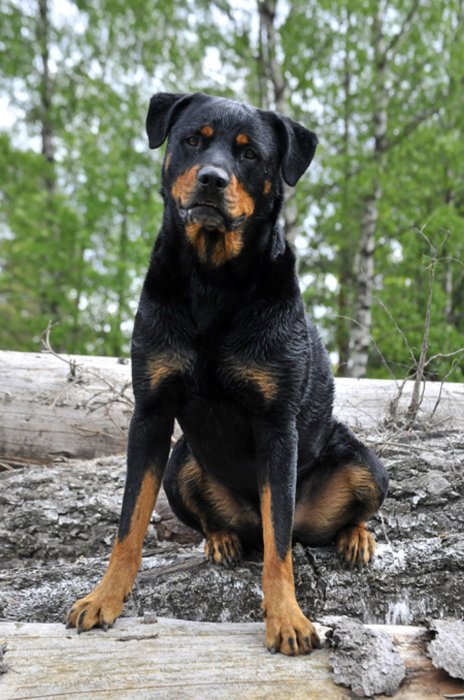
point(57, 524)
point(80, 406)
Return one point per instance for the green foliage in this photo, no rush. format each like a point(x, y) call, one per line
point(76, 227)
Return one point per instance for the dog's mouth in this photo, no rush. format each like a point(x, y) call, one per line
point(207, 214)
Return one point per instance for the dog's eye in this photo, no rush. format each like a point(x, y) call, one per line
point(193, 141)
point(249, 154)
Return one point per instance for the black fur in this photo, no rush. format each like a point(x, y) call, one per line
point(254, 395)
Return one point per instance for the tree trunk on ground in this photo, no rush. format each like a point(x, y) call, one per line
point(57, 525)
point(81, 407)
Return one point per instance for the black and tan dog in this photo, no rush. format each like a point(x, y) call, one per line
point(221, 343)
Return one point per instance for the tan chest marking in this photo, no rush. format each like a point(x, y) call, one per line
point(260, 377)
point(165, 365)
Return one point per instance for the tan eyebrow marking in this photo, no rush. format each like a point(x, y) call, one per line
point(207, 131)
point(242, 139)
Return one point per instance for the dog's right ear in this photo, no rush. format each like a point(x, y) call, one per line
point(162, 113)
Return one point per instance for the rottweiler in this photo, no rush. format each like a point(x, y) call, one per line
point(222, 344)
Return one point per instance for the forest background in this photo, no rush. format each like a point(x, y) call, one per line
point(378, 221)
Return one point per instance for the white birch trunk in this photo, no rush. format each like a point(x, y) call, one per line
point(364, 266)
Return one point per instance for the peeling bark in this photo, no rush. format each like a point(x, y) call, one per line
point(365, 660)
point(447, 649)
point(57, 525)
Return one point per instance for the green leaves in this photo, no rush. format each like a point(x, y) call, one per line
point(75, 232)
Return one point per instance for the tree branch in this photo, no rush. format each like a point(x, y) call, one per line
point(400, 37)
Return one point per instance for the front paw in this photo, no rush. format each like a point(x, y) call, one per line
point(290, 632)
point(98, 609)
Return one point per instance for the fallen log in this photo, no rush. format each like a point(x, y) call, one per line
point(80, 406)
point(172, 659)
point(57, 524)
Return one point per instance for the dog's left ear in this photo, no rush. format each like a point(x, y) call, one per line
point(163, 111)
point(297, 144)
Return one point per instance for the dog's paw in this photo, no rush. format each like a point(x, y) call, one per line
point(223, 548)
point(355, 545)
point(290, 632)
point(95, 610)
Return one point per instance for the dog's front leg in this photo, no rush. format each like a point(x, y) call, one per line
point(287, 629)
point(148, 450)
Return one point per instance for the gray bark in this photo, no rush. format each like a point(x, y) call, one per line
point(57, 524)
point(365, 660)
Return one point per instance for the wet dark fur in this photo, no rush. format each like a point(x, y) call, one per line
point(249, 309)
point(221, 343)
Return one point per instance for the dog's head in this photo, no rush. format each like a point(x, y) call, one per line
point(224, 166)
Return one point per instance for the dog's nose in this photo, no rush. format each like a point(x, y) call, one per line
point(213, 178)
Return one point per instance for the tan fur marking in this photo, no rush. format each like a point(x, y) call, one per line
point(287, 629)
point(239, 202)
point(261, 377)
point(228, 247)
point(277, 573)
point(104, 604)
point(165, 365)
point(167, 162)
point(191, 473)
point(323, 510)
point(183, 188)
point(197, 238)
point(207, 131)
point(242, 139)
point(267, 187)
point(218, 497)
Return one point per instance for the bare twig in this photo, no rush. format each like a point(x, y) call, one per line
point(79, 372)
point(398, 329)
point(417, 397)
point(47, 347)
point(442, 383)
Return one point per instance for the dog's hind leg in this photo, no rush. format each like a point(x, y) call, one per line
point(227, 521)
point(337, 495)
